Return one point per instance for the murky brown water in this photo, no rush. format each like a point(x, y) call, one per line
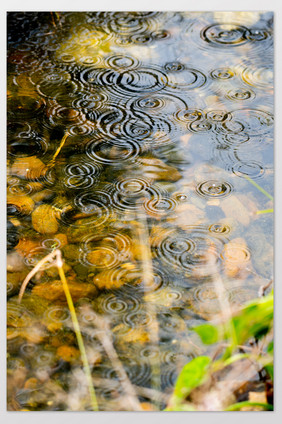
point(140, 145)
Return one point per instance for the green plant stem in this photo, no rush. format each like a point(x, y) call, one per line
point(239, 405)
point(262, 190)
point(264, 211)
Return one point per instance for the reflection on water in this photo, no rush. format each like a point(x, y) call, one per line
point(140, 145)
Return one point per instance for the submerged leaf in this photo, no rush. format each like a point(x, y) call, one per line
point(234, 208)
point(44, 220)
point(68, 353)
point(54, 291)
point(158, 170)
point(109, 279)
point(30, 168)
point(22, 205)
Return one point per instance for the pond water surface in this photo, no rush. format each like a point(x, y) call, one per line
point(140, 144)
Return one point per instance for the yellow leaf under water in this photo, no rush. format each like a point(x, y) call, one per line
point(44, 220)
point(30, 168)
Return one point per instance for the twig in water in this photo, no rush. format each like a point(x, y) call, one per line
point(142, 391)
point(57, 14)
point(148, 278)
point(56, 257)
point(110, 350)
point(52, 161)
point(38, 266)
point(263, 289)
point(223, 300)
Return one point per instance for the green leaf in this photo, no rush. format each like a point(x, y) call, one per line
point(192, 375)
point(269, 366)
point(240, 405)
point(181, 407)
point(270, 347)
point(254, 320)
point(269, 369)
point(207, 332)
point(234, 358)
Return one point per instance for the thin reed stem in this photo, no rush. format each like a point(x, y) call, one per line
point(142, 391)
point(56, 257)
point(240, 405)
point(148, 278)
point(262, 190)
point(77, 331)
point(264, 211)
point(37, 268)
point(117, 364)
point(223, 301)
point(52, 161)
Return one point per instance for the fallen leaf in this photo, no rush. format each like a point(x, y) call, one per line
point(22, 204)
point(68, 353)
point(26, 245)
point(158, 170)
point(234, 208)
point(109, 279)
point(54, 290)
point(29, 167)
point(44, 220)
point(42, 195)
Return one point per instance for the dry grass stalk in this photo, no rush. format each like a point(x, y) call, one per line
point(107, 344)
point(56, 258)
point(52, 161)
point(148, 278)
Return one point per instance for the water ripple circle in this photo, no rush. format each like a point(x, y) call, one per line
point(252, 169)
point(112, 153)
point(240, 94)
point(96, 205)
point(126, 82)
point(185, 79)
point(214, 189)
point(252, 121)
point(222, 74)
point(120, 61)
point(105, 251)
point(225, 34)
point(81, 175)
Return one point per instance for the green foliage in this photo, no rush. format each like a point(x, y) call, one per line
point(269, 366)
point(253, 321)
point(181, 408)
point(240, 405)
point(192, 375)
point(208, 333)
